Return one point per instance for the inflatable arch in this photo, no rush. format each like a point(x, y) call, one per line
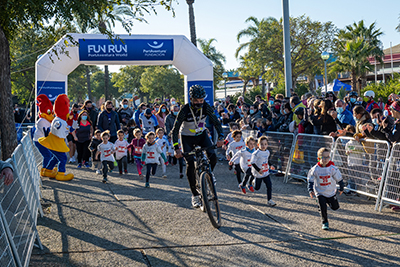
point(97, 49)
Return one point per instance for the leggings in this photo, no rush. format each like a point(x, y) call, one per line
point(83, 151)
point(267, 182)
point(323, 201)
point(248, 176)
point(238, 173)
point(180, 160)
point(150, 167)
point(139, 165)
point(122, 161)
point(107, 164)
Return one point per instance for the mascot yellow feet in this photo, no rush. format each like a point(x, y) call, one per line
point(61, 176)
point(48, 173)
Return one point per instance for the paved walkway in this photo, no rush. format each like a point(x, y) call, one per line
point(124, 224)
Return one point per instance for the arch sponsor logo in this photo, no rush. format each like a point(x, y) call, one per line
point(126, 50)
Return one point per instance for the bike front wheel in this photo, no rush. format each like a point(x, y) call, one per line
point(210, 199)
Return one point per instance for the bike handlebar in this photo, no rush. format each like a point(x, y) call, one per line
point(198, 149)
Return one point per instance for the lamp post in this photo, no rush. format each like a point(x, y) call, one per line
point(325, 57)
point(225, 76)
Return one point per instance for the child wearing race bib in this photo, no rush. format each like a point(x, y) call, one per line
point(236, 145)
point(106, 151)
point(137, 146)
point(96, 141)
point(244, 157)
point(260, 170)
point(162, 141)
point(121, 145)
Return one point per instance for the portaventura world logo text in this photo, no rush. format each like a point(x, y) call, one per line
point(111, 50)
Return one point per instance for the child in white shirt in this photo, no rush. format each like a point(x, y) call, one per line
point(150, 156)
point(121, 154)
point(244, 157)
point(260, 170)
point(236, 145)
point(106, 151)
point(162, 142)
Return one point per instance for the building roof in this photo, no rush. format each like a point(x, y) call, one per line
point(395, 50)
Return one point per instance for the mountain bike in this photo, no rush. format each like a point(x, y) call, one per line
point(205, 183)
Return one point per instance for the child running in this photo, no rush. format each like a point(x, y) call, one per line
point(162, 141)
point(244, 157)
point(96, 141)
point(106, 150)
point(137, 146)
point(122, 152)
point(236, 145)
point(150, 156)
point(322, 179)
point(260, 170)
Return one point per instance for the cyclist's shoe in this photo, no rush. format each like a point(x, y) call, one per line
point(325, 226)
point(250, 187)
point(271, 203)
point(196, 202)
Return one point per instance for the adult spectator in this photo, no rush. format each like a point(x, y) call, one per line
point(6, 172)
point(331, 97)
point(172, 102)
point(387, 109)
point(73, 117)
point(361, 116)
point(108, 120)
point(240, 102)
point(219, 111)
point(281, 123)
point(17, 114)
point(295, 103)
point(279, 97)
point(232, 116)
point(352, 101)
point(380, 103)
point(254, 114)
point(371, 104)
point(92, 111)
point(342, 116)
point(170, 119)
point(141, 108)
point(227, 101)
point(156, 108)
point(83, 135)
point(125, 113)
point(323, 119)
point(265, 112)
point(376, 129)
point(393, 133)
point(148, 121)
point(276, 108)
point(161, 115)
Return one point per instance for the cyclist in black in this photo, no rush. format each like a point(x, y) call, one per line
point(192, 118)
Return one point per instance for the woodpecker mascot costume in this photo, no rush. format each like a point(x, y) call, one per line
point(55, 141)
point(46, 116)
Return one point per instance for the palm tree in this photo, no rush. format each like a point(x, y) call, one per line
point(216, 57)
point(191, 22)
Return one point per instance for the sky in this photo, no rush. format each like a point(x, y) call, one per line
point(224, 19)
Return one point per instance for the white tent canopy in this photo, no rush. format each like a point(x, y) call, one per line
point(97, 49)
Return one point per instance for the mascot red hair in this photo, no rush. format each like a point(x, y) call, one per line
point(55, 141)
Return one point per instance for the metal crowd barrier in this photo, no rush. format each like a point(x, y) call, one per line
point(18, 220)
point(281, 148)
point(38, 156)
point(304, 154)
point(363, 164)
point(6, 256)
point(247, 133)
point(391, 189)
point(28, 145)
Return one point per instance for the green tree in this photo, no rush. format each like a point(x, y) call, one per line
point(127, 80)
point(216, 57)
point(192, 25)
point(15, 15)
point(97, 83)
point(161, 81)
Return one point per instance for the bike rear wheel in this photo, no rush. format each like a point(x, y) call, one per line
point(210, 199)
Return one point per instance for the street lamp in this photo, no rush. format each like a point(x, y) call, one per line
point(225, 76)
point(325, 57)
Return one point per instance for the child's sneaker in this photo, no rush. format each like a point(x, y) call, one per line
point(164, 176)
point(243, 188)
point(79, 165)
point(98, 172)
point(250, 187)
point(87, 165)
point(325, 226)
point(271, 203)
point(120, 172)
point(126, 171)
point(104, 180)
point(141, 176)
point(181, 175)
point(147, 185)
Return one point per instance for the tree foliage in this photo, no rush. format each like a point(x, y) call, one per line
point(127, 80)
point(162, 81)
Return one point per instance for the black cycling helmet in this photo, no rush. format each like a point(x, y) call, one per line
point(299, 111)
point(353, 93)
point(197, 91)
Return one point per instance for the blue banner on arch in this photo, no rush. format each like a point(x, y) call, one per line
point(51, 89)
point(208, 86)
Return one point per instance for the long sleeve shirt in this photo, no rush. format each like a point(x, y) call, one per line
point(137, 145)
point(323, 180)
point(121, 149)
point(106, 151)
point(151, 153)
point(244, 157)
point(233, 148)
point(259, 161)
